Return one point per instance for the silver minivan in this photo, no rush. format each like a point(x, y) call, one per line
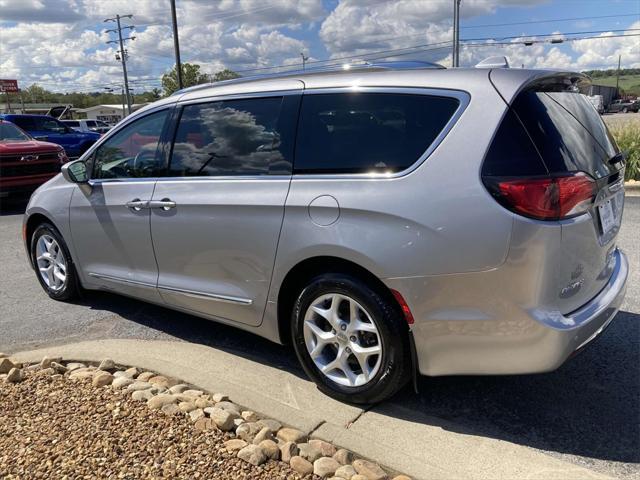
point(386, 221)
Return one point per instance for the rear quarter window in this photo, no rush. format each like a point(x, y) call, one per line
point(359, 132)
point(567, 131)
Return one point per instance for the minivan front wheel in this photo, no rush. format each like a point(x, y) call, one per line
point(52, 263)
point(350, 340)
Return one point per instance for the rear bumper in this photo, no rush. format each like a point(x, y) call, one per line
point(520, 341)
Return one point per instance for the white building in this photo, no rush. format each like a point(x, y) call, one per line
point(107, 113)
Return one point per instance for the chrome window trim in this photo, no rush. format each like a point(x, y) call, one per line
point(464, 98)
point(123, 124)
point(238, 96)
point(220, 178)
point(209, 296)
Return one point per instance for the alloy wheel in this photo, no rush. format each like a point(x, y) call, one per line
point(342, 339)
point(52, 265)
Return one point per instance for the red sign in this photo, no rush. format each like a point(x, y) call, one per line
point(8, 85)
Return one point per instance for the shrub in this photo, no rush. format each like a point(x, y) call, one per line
point(627, 136)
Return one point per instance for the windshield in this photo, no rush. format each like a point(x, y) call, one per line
point(11, 133)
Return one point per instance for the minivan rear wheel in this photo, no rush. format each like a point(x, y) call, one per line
point(52, 263)
point(350, 339)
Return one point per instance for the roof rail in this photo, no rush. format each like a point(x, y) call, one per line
point(328, 69)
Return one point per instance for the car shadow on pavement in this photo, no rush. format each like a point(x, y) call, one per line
point(170, 324)
point(589, 407)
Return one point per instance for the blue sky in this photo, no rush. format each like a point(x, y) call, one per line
point(61, 44)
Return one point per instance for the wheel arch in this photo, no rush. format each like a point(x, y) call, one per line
point(308, 268)
point(30, 226)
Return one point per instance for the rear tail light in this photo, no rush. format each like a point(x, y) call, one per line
point(545, 198)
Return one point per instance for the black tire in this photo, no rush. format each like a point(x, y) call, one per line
point(624, 110)
point(70, 288)
point(395, 367)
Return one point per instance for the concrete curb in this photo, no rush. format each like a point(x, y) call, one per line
point(426, 448)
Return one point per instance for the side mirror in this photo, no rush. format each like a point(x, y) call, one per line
point(75, 172)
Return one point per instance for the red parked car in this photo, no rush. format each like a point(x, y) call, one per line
point(26, 163)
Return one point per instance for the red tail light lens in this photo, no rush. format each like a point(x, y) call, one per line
point(546, 198)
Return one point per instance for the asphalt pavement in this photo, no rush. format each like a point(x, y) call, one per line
point(587, 412)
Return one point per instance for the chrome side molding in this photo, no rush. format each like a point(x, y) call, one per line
point(189, 293)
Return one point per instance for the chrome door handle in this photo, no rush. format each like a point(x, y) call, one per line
point(165, 204)
point(137, 204)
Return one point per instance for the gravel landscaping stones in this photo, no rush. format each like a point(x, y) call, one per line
point(57, 420)
point(252, 454)
point(51, 428)
point(300, 465)
point(346, 472)
point(370, 470)
point(288, 450)
point(291, 435)
point(325, 467)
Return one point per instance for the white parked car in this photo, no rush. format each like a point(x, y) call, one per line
point(88, 125)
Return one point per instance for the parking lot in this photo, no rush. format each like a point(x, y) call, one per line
point(587, 412)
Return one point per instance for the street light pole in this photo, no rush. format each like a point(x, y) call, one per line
point(304, 60)
point(176, 43)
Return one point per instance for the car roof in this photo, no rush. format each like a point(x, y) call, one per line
point(466, 79)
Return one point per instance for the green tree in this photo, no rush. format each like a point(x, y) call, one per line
point(225, 74)
point(190, 76)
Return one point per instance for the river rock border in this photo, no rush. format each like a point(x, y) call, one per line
point(257, 438)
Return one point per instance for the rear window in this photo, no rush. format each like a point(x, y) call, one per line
point(368, 132)
point(567, 131)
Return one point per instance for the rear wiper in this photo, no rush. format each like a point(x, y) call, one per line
point(620, 157)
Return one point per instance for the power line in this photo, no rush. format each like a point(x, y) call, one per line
point(531, 22)
point(399, 51)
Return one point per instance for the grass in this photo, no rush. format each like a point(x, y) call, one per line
point(627, 136)
point(630, 84)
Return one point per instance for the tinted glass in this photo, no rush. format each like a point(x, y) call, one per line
point(49, 125)
point(10, 132)
point(567, 131)
point(133, 151)
point(232, 137)
point(72, 123)
point(91, 123)
point(26, 123)
point(511, 152)
point(368, 132)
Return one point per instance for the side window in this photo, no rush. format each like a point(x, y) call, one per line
point(367, 132)
point(231, 137)
point(49, 125)
point(133, 151)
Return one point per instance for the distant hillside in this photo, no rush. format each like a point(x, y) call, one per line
point(629, 79)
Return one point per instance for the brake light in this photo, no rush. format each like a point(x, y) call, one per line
point(545, 198)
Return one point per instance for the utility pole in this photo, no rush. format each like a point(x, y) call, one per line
point(456, 33)
point(618, 76)
point(304, 60)
point(176, 43)
point(122, 53)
